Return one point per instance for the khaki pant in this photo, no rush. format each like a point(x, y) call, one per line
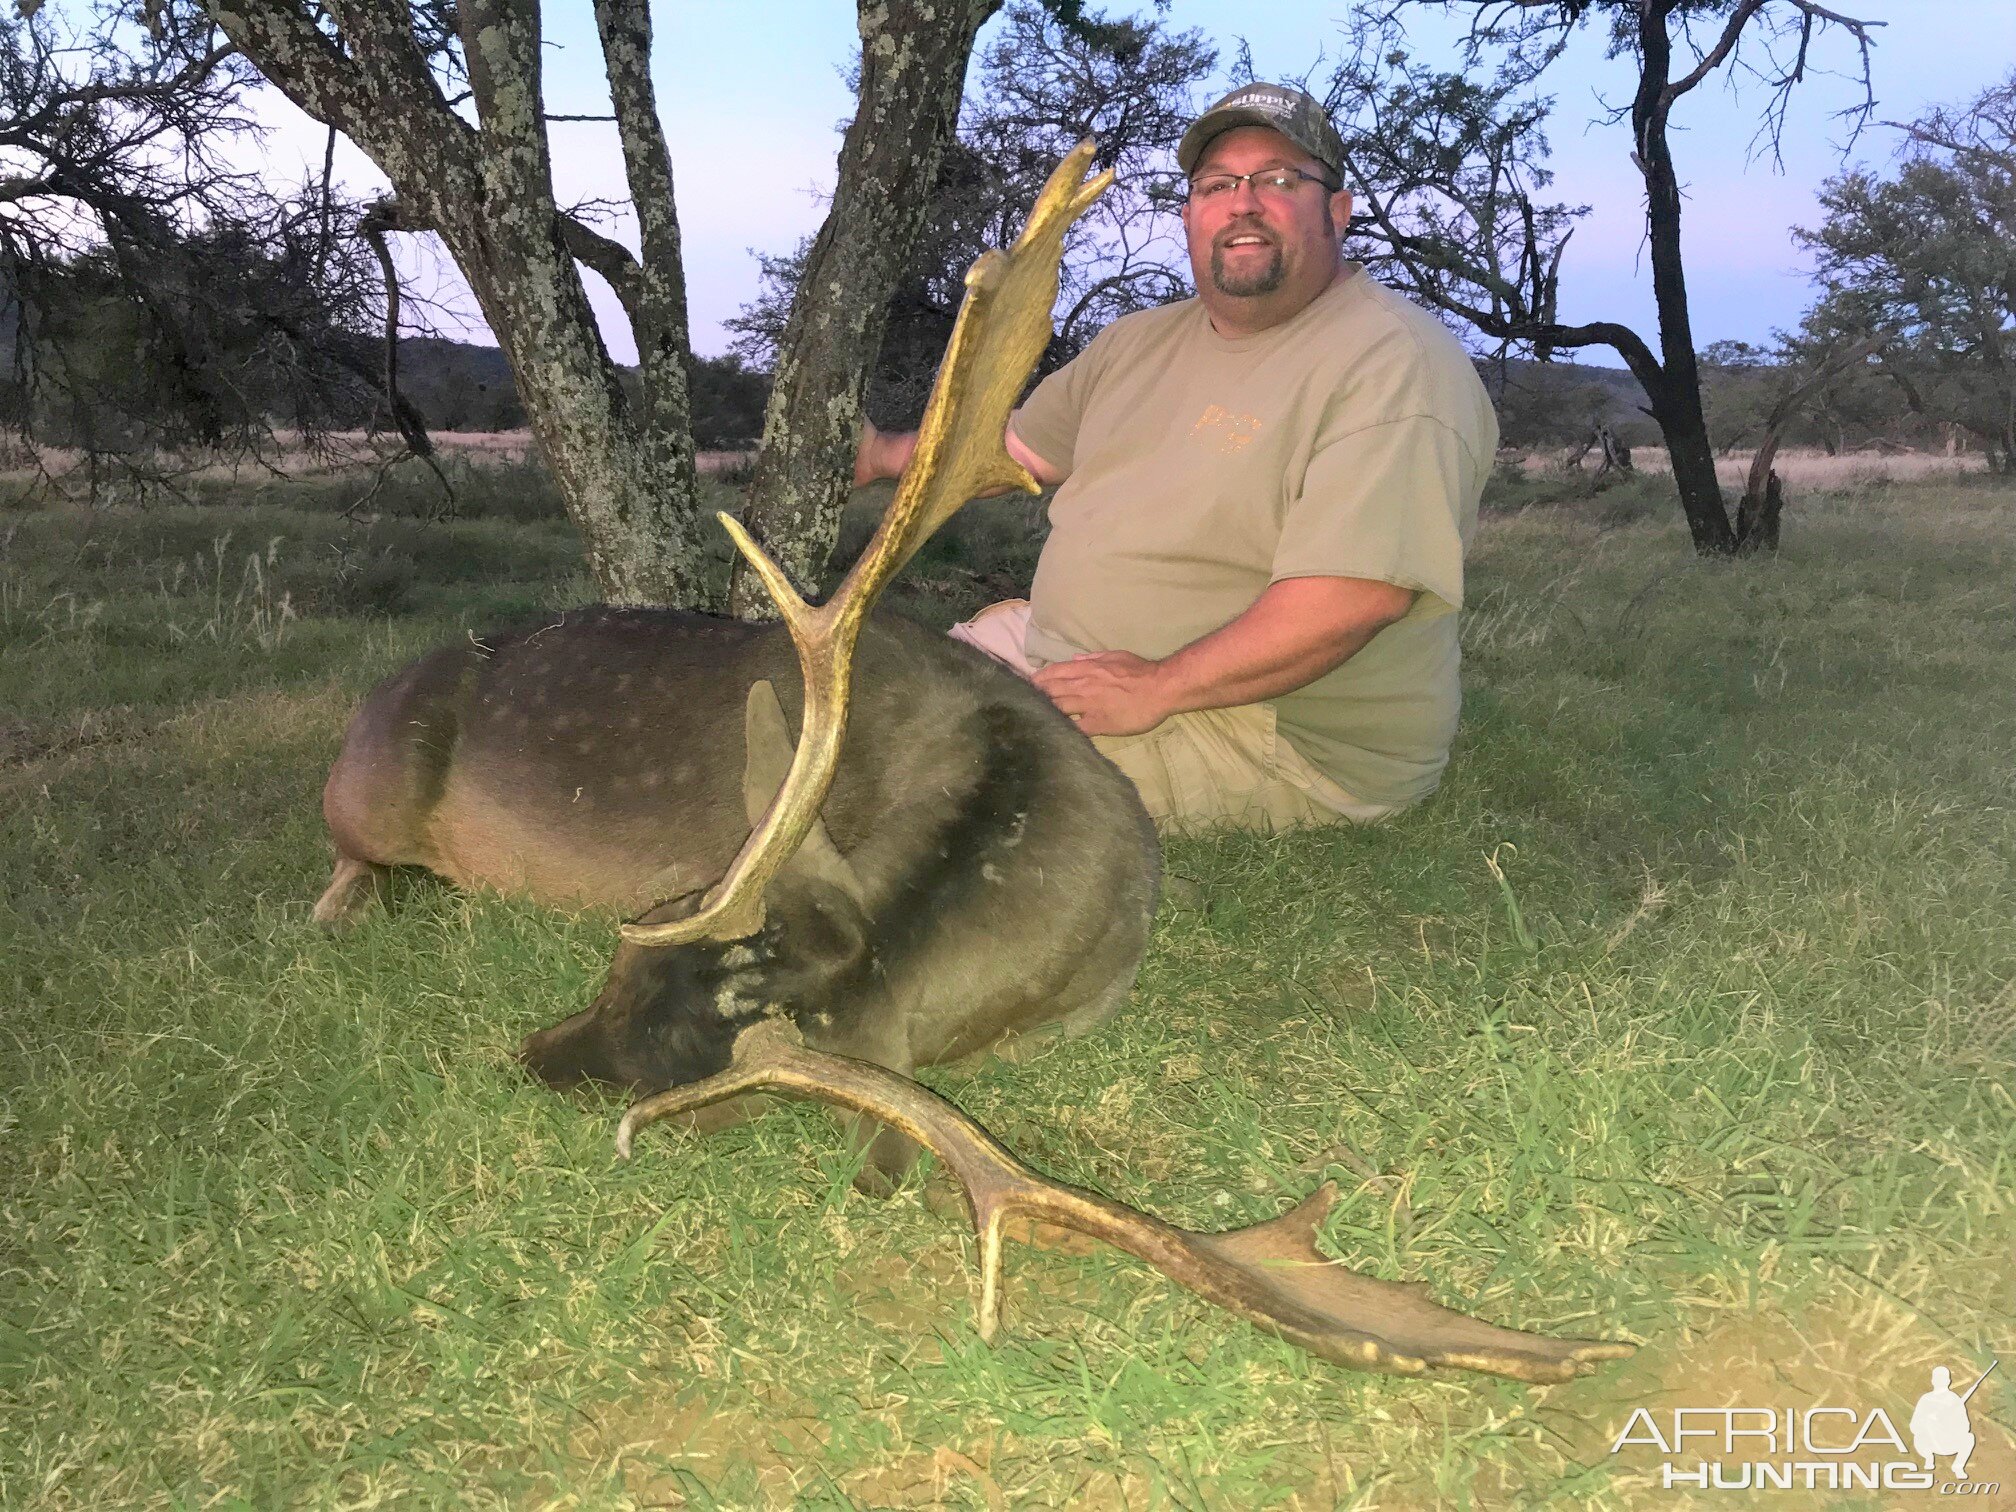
point(1201, 770)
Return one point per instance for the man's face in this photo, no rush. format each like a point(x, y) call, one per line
point(1248, 244)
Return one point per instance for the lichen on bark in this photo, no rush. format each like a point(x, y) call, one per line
point(626, 469)
point(913, 70)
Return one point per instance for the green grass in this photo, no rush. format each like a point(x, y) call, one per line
point(1684, 1013)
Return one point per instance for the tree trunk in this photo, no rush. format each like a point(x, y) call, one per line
point(1676, 404)
point(1763, 501)
point(913, 69)
point(1757, 516)
point(628, 479)
point(631, 490)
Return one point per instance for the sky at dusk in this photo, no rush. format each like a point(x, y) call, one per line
point(753, 94)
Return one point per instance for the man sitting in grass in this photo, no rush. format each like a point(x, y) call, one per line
point(1248, 596)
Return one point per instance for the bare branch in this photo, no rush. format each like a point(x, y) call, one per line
point(605, 255)
point(371, 81)
point(373, 229)
point(29, 188)
point(300, 58)
point(1812, 17)
point(654, 290)
point(1732, 30)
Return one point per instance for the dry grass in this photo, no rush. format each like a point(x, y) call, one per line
point(335, 452)
point(1801, 467)
point(359, 453)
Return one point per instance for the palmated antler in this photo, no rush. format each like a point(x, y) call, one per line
point(1270, 1274)
point(1002, 329)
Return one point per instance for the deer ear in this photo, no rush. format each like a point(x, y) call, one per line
point(767, 742)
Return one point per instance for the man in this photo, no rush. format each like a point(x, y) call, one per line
point(1248, 596)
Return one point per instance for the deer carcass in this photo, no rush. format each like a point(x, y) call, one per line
point(977, 870)
point(965, 868)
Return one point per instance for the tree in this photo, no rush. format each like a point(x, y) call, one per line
point(154, 297)
point(446, 98)
point(729, 398)
point(1855, 405)
point(1448, 165)
point(1049, 77)
point(1923, 266)
point(202, 341)
point(1738, 383)
point(98, 144)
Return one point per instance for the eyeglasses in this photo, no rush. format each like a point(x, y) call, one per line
point(1269, 183)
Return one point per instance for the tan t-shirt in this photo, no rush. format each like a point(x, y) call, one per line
point(1350, 441)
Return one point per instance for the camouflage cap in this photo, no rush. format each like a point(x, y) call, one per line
point(1289, 111)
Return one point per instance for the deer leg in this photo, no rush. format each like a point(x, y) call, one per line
point(891, 1154)
point(1014, 1049)
point(354, 887)
point(1098, 991)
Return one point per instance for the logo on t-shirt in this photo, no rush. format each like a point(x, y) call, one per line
point(1219, 430)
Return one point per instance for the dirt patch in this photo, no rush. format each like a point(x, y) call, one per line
point(23, 743)
point(729, 1433)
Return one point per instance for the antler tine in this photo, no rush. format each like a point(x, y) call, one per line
point(1270, 1274)
point(1002, 328)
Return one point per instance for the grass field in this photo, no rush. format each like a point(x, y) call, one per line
point(1685, 1013)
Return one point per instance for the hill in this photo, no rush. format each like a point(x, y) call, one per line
point(460, 386)
point(1560, 403)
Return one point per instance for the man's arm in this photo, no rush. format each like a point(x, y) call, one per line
point(884, 454)
point(1297, 630)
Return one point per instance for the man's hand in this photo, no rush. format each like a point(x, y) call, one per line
point(882, 454)
point(1108, 693)
point(864, 454)
point(1297, 630)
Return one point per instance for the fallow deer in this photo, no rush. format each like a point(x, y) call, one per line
point(965, 869)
